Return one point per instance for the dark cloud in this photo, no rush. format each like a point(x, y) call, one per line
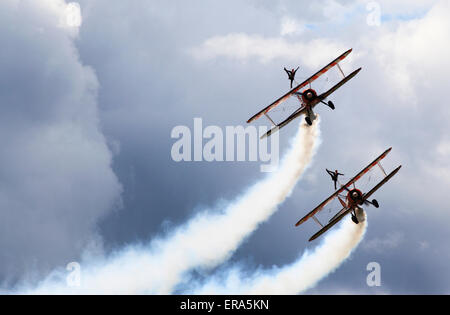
point(149, 82)
point(55, 174)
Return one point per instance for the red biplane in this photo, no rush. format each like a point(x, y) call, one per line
point(352, 201)
point(307, 97)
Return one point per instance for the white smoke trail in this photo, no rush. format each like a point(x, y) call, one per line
point(204, 241)
point(297, 277)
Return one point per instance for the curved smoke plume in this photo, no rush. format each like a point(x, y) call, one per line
point(204, 241)
point(297, 277)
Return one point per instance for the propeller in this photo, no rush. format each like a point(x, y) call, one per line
point(346, 188)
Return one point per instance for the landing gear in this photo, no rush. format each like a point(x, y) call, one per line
point(329, 104)
point(308, 120)
point(355, 219)
point(375, 203)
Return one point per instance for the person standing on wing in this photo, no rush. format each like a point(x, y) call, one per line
point(291, 74)
point(334, 177)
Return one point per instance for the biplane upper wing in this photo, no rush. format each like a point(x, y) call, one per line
point(331, 224)
point(301, 85)
point(344, 187)
point(388, 177)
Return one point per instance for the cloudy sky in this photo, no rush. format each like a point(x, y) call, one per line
point(90, 92)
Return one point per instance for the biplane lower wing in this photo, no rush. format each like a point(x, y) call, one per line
point(330, 225)
point(319, 207)
point(343, 187)
point(338, 214)
point(388, 177)
point(338, 85)
point(297, 113)
point(301, 85)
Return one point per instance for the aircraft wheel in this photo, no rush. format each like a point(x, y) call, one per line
point(308, 121)
point(375, 203)
point(355, 219)
point(330, 103)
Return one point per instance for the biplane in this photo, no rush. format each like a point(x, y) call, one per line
point(307, 97)
point(352, 201)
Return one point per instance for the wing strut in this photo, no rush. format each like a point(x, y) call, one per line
point(268, 117)
point(339, 67)
point(317, 221)
point(382, 169)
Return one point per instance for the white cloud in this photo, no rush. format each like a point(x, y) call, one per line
point(244, 47)
point(390, 241)
point(290, 26)
point(334, 10)
point(66, 15)
point(72, 15)
point(415, 50)
point(404, 7)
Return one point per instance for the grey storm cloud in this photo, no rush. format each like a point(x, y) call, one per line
point(151, 46)
point(56, 179)
point(58, 176)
